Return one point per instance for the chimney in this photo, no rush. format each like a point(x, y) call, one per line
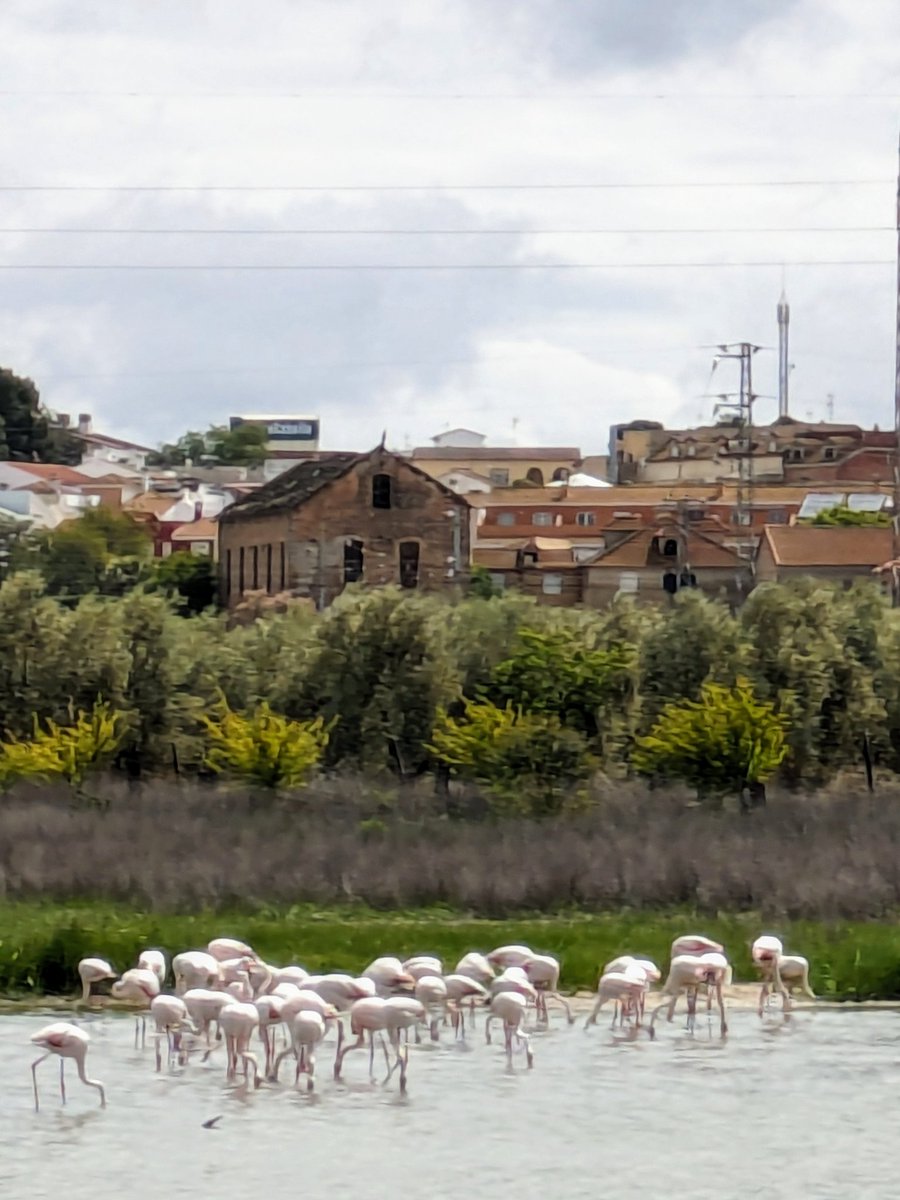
point(62, 420)
point(84, 423)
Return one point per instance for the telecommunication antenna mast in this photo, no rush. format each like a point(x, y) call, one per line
point(739, 407)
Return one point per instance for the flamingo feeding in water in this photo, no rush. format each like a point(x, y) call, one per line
point(510, 1007)
point(688, 973)
point(765, 952)
point(138, 986)
point(91, 971)
point(68, 1041)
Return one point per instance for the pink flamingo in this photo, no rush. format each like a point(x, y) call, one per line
point(432, 994)
point(68, 1041)
point(238, 1021)
point(205, 1007)
point(138, 986)
point(307, 1031)
point(271, 1014)
point(388, 976)
point(171, 1016)
point(543, 971)
point(223, 949)
point(155, 961)
point(194, 969)
point(91, 971)
point(510, 1007)
point(460, 988)
point(625, 987)
point(766, 952)
point(687, 973)
point(510, 956)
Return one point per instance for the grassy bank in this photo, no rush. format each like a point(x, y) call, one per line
point(41, 943)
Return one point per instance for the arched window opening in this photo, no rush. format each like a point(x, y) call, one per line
point(535, 475)
point(670, 548)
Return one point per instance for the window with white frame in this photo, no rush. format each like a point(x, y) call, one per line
point(499, 476)
point(552, 585)
point(585, 518)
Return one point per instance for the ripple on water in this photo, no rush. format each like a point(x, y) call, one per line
point(798, 1110)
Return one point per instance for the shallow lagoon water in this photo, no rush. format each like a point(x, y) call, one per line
point(807, 1108)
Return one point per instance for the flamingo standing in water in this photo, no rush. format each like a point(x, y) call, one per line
point(307, 1031)
point(794, 972)
point(238, 1020)
point(460, 988)
point(510, 1007)
point(91, 971)
point(687, 973)
point(432, 994)
point(543, 972)
point(138, 986)
point(765, 952)
point(68, 1041)
point(626, 986)
point(194, 969)
point(155, 961)
point(171, 1016)
point(378, 1015)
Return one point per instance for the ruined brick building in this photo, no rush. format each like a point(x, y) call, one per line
point(344, 518)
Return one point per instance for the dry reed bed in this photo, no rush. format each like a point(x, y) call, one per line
point(830, 856)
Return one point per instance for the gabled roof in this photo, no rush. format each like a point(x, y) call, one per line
point(827, 545)
point(52, 472)
point(114, 443)
point(204, 530)
point(636, 550)
point(293, 487)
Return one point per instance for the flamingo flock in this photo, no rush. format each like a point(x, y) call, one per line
point(226, 995)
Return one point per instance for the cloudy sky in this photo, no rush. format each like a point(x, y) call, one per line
point(350, 135)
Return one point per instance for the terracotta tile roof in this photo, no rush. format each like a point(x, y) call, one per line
point(637, 550)
point(151, 502)
point(53, 472)
point(827, 545)
point(498, 453)
point(204, 530)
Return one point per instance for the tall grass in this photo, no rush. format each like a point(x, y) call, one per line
point(43, 943)
point(161, 848)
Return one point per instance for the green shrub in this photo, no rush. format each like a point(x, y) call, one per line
point(718, 744)
point(264, 748)
point(68, 752)
point(529, 762)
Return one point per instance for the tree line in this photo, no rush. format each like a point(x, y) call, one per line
point(525, 702)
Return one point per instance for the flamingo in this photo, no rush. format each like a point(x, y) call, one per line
point(307, 1031)
point(238, 1021)
point(292, 974)
point(171, 1016)
point(626, 986)
point(423, 964)
point(68, 1041)
point(460, 988)
point(794, 972)
point(138, 986)
point(194, 969)
point(155, 961)
point(766, 952)
point(432, 994)
point(694, 943)
point(270, 1009)
point(401, 1013)
point(543, 971)
point(91, 971)
point(340, 990)
point(476, 967)
point(510, 956)
point(687, 972)
point(367, 1016)
point(509, 1007)
point(514, 979)
point(621, 964)
point(388, 976)
point(223, 949)
point(205, 1006)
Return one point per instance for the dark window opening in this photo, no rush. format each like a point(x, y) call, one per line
point(241, 571)
point(381, 491)
point(269, 568)
point(561, 475)
point(227, 574)
point(535, 475)
point(409, 564)
point(670, 548)
point(256, 568)
point(670, 583)
point(283, 567)
point(354, 560)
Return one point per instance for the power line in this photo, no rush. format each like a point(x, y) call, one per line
point(288, 267)
point(524, 232)
point(565, 97)
point(447, 187)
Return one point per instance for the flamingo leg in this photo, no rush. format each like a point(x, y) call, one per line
point(34, 1067)
point(62, 1079)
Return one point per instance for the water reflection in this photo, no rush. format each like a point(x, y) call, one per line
point(804, 1108)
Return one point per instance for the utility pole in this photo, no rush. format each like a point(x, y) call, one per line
point(739, 406)
point(784, 368)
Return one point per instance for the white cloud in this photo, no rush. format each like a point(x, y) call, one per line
point(566, 351)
